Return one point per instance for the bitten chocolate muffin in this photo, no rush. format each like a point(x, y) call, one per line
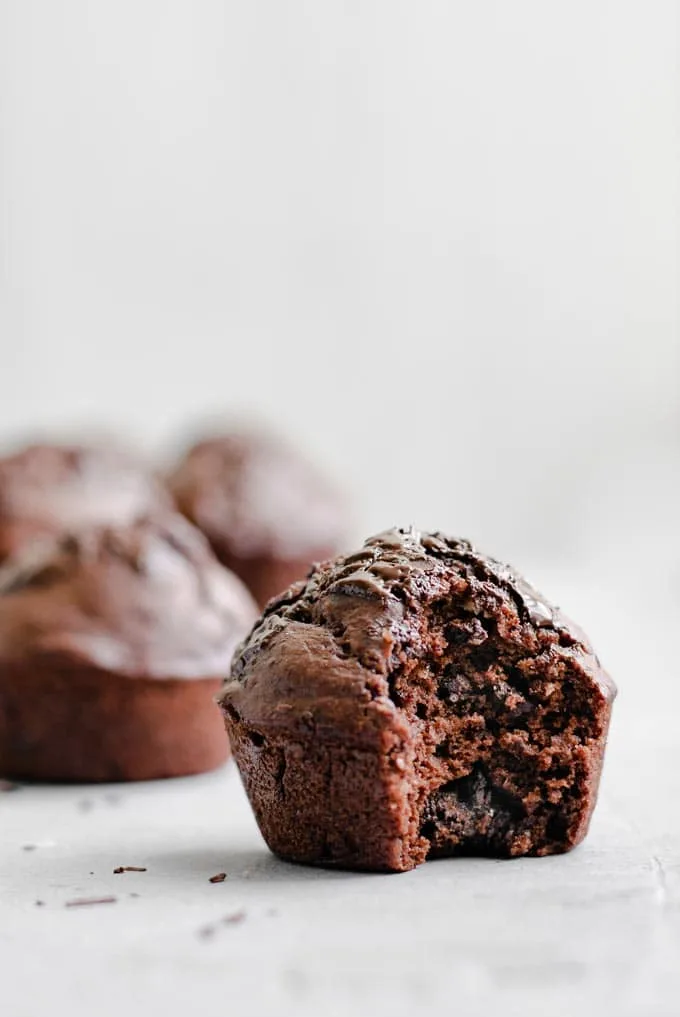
point(417, 700)
point(52, 489)
point(113, 644)
point(267, 513)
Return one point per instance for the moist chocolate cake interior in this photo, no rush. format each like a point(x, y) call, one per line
point(497, 718)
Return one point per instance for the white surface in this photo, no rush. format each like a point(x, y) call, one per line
point(597, 931)
point(443, 232)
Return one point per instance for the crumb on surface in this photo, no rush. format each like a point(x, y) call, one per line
point(235, 918)
point(79, 902)
point(208, 931)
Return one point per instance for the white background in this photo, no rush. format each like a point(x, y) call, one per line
point(435, 242)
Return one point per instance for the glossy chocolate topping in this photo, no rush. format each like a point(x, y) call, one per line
point(360, 611)
point(146, 600)
point(256, 496)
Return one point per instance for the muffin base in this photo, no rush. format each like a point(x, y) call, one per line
point(329, 805)
point(67, 722)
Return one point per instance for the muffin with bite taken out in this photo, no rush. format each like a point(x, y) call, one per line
point(417, 699)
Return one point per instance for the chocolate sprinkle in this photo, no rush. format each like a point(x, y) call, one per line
point(128, 868)
point(235, 918)
point(219, 878)
point(81, 902)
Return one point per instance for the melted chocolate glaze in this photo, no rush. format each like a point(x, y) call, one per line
point(368, 595)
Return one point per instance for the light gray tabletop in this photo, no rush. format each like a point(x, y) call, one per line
point(594, 931)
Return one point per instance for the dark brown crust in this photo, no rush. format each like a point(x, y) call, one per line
point(413, 700)
point(325, 803)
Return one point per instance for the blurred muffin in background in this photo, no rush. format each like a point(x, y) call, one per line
point(113, 644)
point(51, 489)
point(267, 512)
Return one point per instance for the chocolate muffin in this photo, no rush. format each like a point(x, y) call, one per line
point(417, 700)
point(113, 644)
point(267, 513)
point(52, 489)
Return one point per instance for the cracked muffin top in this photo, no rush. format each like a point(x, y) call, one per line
point(144, 600)
point(54, 489)
point(370, 611)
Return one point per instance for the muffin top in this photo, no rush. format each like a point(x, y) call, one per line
point(337, 639)
point(144, 600)
point(253, 495)
point(57, 488)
